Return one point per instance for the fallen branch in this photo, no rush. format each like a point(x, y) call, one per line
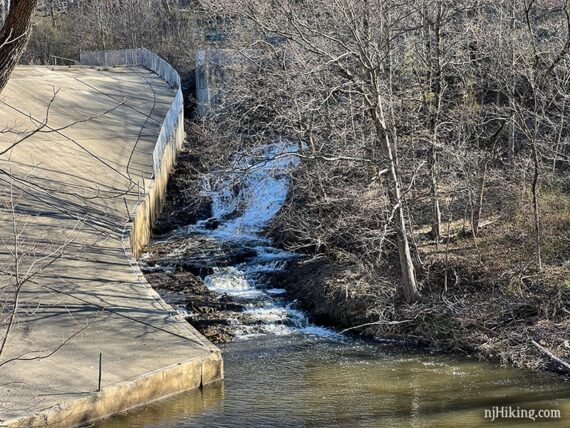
point(375, 323)
point(469, 230)
point(551, 355)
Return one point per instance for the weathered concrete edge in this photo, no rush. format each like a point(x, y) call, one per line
point(127, 239)
point(137, 233)
point(127, 395)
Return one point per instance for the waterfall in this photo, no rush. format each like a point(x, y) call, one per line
point(245, 199)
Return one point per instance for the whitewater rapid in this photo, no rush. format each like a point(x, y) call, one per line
point(244, 199)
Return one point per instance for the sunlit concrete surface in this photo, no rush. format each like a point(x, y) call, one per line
point(72, 183)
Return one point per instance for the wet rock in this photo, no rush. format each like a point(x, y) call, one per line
point(212, 224)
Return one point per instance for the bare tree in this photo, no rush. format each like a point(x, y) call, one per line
point(538, 70)
point(344, 51)
point(400, 108)
point(14, 35)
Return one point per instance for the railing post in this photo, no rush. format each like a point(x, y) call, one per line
point(100, 371)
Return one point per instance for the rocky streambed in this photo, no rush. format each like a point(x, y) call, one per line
point(220, 270)
point(224, 289)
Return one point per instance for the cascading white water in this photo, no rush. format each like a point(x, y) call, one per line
point(247, 196)
point(244, 201)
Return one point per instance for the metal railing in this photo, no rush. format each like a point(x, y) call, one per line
point(144, 57)
point(59, 60)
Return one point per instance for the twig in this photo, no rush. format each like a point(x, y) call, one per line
point(551, 355)
point(375, 323)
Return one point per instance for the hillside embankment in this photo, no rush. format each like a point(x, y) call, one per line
point(477, 296)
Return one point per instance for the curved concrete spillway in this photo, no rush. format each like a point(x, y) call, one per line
point(74, 183)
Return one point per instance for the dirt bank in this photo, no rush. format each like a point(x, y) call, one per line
point(519, 328)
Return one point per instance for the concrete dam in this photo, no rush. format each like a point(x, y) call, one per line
point(85, 156)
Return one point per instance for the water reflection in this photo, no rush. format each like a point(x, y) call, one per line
point(171, 411)
point(317, 382)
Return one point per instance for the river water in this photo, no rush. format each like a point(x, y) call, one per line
point(283, 371)
point(309, 381)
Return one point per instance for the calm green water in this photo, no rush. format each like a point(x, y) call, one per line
point(306, 381)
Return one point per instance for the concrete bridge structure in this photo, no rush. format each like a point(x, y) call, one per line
point(85, 185)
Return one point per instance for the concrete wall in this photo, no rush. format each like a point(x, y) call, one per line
point(168, 145)
point(214, 69)
point(148, 211)
point(127, 395)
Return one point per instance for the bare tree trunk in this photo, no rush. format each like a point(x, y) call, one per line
point(409, 285)
point(436, 211)
point(535, 208)
point(536, 80)
point(386, 136)
point(482, 180)
point(14, 36)
point(101, 27)
point(511, 151)
point(432, 105)
point(559, 143)
point(437, 89)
